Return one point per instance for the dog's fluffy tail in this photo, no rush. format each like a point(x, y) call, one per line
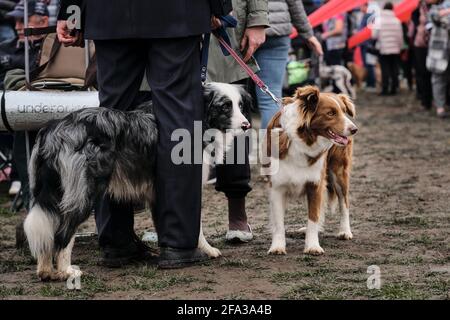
point(40, 229)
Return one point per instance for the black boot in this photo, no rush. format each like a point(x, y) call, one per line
point(134, 251)
point(171, 258)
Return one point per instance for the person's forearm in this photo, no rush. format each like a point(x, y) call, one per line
point(300, 19)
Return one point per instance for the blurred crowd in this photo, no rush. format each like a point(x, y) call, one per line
point(12, 57)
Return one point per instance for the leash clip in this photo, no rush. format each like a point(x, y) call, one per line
point(267, 91)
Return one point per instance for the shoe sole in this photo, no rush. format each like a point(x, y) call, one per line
point(237, 241)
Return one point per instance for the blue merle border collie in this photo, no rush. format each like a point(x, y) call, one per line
point(100, 151)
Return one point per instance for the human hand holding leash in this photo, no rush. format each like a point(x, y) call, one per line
point(69, 38)
point(215, 23)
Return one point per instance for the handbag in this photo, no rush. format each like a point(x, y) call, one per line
point(60, 67)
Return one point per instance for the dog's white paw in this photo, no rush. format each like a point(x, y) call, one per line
point(314, 250)
point(70, 272)
point(277, 250)
point(345, 235)
point(211, 252)
point(75, 273)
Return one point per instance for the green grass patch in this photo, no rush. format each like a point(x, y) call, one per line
point(5, 212)
point(278, 277)
point(147, 272)
point(172, 281)
point(410, 221)
point(239, 263)
point(334, 291)
point(161, 283)
point(11, 292)
point(50, 290)
point(423, 239)
point(203, 289)
point(398, 291)
point(13, 266)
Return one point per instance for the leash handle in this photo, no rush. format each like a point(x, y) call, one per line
point(257, 80)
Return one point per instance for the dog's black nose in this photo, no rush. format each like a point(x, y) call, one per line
point(246, 125)
point(354, 130)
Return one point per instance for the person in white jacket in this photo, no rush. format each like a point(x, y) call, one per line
point(389, 35)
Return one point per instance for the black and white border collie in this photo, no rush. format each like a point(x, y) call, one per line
point(92, 152)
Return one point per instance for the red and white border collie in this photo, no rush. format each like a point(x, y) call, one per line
point(314, 159)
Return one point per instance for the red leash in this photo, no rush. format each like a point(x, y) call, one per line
point(257, 80)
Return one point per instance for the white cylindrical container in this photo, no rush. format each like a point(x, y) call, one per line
point(31, 110)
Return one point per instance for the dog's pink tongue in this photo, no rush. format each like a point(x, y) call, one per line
point(342, 140)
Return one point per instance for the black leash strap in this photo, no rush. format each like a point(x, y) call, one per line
point(3, 112)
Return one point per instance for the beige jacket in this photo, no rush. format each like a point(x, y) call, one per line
point(249, 13)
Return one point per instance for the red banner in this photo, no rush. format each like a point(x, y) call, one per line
point(403, 11)
point(363, 35)
point(328, 11)
point(332, 8)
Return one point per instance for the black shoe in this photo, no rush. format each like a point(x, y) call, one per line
point(171, 258)
point(136, 251)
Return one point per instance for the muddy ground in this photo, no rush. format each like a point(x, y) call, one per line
point(400, 213)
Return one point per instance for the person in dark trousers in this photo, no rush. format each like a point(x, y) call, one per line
point(420, 38)
point(161, 39)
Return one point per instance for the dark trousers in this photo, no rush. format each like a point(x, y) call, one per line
point(423, 77)
point(173, 72)
point(389, 72)
point(234, 179)
point(406, 63)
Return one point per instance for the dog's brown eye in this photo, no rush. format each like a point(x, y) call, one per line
point(331, 113)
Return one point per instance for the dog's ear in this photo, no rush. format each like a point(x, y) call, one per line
point(209, 97)
point(349, 105)
point(208, 94)
point(288, 100)
point(310, 97)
